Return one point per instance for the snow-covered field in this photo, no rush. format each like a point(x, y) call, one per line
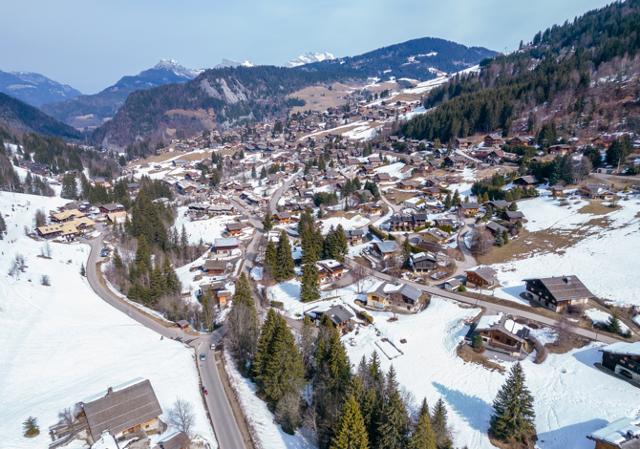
point(202, 230)
point(62, 343)
point(348, 224)
point(572, 397)
point(602, 259)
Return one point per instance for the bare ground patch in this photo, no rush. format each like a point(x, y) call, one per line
point(466, 353)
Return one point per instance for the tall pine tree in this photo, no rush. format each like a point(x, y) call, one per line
point(242, 324)
point(309, 289)
point(423, 436)
point(284, 269)
point(513, 417)
point(351, 432)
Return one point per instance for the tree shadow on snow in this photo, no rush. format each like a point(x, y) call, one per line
point(573, 436)
point(471, 408)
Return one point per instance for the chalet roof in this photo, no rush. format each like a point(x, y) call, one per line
point(514, 214)
point(499, 204)
point(623, 348)
point(235, 226)
point(175, 440)
point(486, 273)
point(495, 227)
point(214, 264)
point(387, 246)
point(339, 314)
point(226, 243)
point(411, 292)
point(527, 179)
point(623, 433)
point(565, 288)
point(121, 408)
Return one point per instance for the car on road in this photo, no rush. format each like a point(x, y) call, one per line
point(212, 347)
point(203, 357)
point(104, 252)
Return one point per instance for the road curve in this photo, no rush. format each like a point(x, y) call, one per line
point(225, 426)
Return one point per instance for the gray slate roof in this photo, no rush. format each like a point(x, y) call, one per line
point(566, 288)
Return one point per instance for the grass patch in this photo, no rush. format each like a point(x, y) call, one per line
point(596, 207)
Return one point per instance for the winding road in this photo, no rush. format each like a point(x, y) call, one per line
point(226, 428)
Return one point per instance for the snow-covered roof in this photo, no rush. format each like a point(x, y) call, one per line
point(618, 432)
point(623, 348)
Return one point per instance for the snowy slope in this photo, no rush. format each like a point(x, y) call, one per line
point(62, 343)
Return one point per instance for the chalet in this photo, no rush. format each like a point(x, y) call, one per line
point(525, 181)
point(560, 149)
point(339, 315)
point(356, 236)
point(493, 139)
point(407, 222)
point(175, 440)
point(496, 228)
point(119, 217)
point(214, 267)
point(282, 217)
point(186, 187)
point(500, 333)
point(623, 358)
point(446, 223)
point(596, 192)
point(122, 411)
point(385, 248)
point(68, 229)
point(422, 262)
point(451, 284)
point(225, 246)
point(111, 207)
point(513, 216)
point(408, 185)
point(382, 177)
point(519, 141)
point(623, 433)
point(482, 277)
point(329, 270)
point(558, 191)
point(220, 209)
point(400, 298)
point(66, 215)
point(470, 209)
point(235, 228)
point(557, 293)
point(499, 204)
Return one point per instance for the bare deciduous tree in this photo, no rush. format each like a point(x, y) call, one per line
point(181, 416)
point(481, 241)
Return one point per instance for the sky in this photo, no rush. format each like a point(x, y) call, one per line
point(90, 44)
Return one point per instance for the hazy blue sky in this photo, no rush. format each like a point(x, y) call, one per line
point(92, 43)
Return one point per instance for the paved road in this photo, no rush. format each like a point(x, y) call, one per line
point(225, 426)
point(273, 202)
point(493, 307)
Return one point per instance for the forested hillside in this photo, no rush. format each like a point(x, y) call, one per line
point(582, 75)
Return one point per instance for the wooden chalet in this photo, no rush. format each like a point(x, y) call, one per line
point(225, 246)
point(482, 277)
point(557, 293)
point(400, 298)
point(623, 359)
point(500, 333)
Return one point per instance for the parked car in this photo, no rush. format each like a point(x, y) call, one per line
point(203, 357)
point(104, 252)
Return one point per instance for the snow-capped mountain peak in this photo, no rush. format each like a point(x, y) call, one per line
point(310, 57)
point(178, 69)
point(230, 63)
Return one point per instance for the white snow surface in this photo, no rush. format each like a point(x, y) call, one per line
point(206, 230)
point(572, 397)
point(602, 260)
point(348, 224)
point(62, 343)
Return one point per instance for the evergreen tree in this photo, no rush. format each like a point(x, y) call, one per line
point(242, 324)
point(30, 427)
point(270, 259)
point(331, 381)
point(455, 200)
point(613, 325)
point(440, 425)
point(83, 272)
point(267, 222)
point(351, 432)
point(3, 227)
point(284, 269)
point(309, 289)
point(423, 436)
point(447, 202)
point(393, 424)
point(263, 347)
point(69, 187)
point(513, 417)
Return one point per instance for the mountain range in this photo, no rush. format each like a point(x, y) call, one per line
point(35, 89)
point(90, 111)
point(309, 57)
point(222, 97)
